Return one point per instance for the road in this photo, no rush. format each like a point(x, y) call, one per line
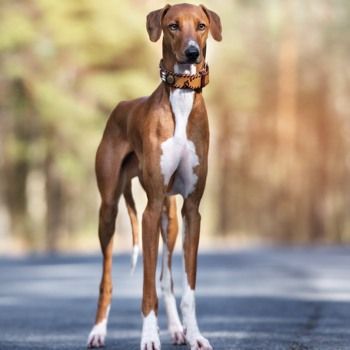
point(259, 298)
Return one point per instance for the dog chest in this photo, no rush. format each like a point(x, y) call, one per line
point(178, 152)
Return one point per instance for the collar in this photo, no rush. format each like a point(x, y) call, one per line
point(185, 81)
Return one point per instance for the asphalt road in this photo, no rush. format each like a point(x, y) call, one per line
point(264, 298)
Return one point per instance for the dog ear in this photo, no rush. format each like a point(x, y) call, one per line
point(215, 23)
point(154, 23)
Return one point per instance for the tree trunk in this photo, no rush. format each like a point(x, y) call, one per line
point(54, 203)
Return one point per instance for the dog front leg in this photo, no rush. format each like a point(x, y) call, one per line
point(191, 229)
point(150, 239)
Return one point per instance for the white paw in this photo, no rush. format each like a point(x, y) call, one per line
point(150, 333)
point(174, 324)
point(177, 335)
point(97, 335)
point(198, 342)
point(150, 344)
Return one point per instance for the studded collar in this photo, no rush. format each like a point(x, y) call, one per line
point(185, 81)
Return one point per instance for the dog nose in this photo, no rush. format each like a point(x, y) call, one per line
point(192, 53)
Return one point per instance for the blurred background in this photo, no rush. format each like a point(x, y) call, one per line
point(278, 106)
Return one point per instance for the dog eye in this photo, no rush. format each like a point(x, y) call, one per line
point(173, 26)
point(201, 26)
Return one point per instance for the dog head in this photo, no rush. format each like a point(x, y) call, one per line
point(185, 30)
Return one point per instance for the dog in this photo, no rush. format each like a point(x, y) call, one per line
point(162, 139)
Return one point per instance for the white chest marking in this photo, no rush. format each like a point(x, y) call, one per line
point(179, 153)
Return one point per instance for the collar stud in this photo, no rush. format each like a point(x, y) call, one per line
point(170, 79)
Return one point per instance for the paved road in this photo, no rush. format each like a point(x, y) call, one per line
point(264, 298)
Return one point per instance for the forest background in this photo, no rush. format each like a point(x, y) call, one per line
point(278, 101)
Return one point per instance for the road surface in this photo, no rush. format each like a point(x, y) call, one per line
point(262, 298)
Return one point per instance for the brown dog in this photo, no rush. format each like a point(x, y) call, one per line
point(163, 139)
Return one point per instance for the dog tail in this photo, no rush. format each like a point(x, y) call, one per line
point(130, 205)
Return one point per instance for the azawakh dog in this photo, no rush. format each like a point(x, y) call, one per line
point(163, 139)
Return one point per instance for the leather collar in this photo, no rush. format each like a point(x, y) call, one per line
point(185, 81)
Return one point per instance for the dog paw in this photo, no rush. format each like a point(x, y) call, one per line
point(150, 341)
point(198, 342)
point(97, 336)
point(177, 335)
point(150, 344)
point(150, 333)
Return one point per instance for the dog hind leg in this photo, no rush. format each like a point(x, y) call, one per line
point(109, 158)
point(169, 230)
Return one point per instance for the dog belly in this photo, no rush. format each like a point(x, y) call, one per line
point(179, 159)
